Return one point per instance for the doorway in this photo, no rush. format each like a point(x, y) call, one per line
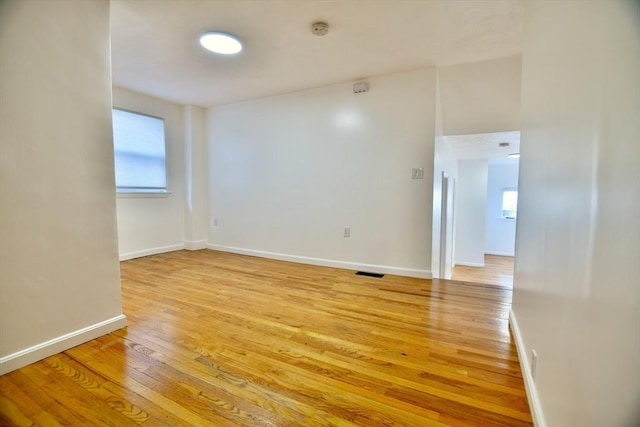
point(483, 247)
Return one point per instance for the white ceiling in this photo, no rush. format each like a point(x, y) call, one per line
point(155, 46)
point(486, 146)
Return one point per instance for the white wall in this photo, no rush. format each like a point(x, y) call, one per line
point(500, 233)
point(577, 276)
point(288, 172)
point(481, 97)
point(471, 202)
point(153, 225)
point(59, 276)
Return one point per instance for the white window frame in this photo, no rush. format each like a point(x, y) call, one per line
point(142, 192)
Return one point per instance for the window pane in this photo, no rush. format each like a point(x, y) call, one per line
point(139, 149)
point(509, 203)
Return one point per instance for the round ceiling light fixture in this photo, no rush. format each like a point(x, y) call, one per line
point(223, 43)
point(514, 155)
point(320, 28)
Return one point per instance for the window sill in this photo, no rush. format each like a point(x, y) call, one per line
point(142, 194)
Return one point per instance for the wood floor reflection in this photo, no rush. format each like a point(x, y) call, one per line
point(230, 340)
point(497, 270)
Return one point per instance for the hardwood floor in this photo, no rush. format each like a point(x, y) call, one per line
point(497, 270)
point(229, 340)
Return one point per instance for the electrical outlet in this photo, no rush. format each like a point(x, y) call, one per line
point(214, 222)
point(347, 231)
point(534, 363)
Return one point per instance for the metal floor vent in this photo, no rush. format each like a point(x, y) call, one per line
point(366, 273)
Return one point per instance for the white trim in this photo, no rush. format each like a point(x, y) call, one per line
point(372, 268)
point(141, 194)
point(529, 383)
point(194, 245)
point(48, 348)
point(512, 254)
point(470, 264)
point(152, 251)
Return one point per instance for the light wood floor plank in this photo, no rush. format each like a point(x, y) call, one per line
point(231, 340)
point(497, 270)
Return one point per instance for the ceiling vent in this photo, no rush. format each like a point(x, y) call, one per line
point(320, 29)
point(360, 87)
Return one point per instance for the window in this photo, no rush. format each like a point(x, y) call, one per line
point(139, 148)
point(509, 204)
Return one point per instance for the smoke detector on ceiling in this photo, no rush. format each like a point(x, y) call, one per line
point(320, 29)
point(360, 87)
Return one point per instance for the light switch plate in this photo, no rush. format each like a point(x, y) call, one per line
point(417, 173)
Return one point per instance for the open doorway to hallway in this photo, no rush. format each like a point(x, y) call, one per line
point(484, 224)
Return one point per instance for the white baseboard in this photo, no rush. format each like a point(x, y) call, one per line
point(529, 384)
point(500, 253)
point(195, 245)
point(48, 348)
point(470, 264)
point(372, 268)
point(153, 251)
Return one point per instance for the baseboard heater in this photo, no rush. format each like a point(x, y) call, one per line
point(366, 273)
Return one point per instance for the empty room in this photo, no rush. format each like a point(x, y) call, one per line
point(254, 213)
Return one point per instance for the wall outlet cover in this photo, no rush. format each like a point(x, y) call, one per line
point(534, 363)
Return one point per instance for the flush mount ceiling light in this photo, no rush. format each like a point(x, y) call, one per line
point(223, 43)
point(320, 28)
point(514, 155)
point(503, 144)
